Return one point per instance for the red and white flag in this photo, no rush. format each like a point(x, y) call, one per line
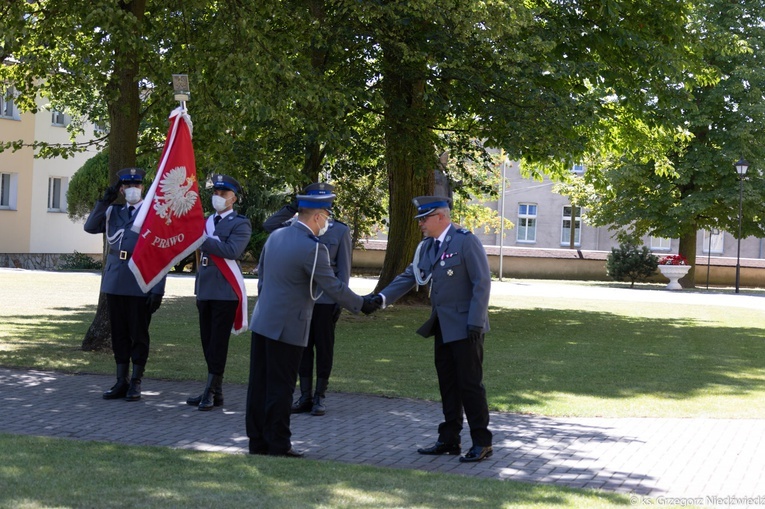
point(171, 224)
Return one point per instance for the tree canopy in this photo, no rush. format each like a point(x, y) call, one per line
point(371, 95)
point(692, 184)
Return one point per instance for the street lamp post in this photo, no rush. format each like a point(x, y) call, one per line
point(502, 218)
point(741, 166)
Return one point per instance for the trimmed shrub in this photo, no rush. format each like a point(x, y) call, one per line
point(78, 261)
point(630, 263)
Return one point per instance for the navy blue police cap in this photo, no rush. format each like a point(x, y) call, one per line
point(318, 195)
point(225, 182)
point(131, 175)
point(319, 188)
point(426, 205)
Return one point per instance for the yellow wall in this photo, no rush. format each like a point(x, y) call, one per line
point(15, 225)
point(31, 229)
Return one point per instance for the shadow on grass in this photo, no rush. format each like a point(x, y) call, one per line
point(530, 354)
point(47, 472)
point(53, 340)
point(616, 356)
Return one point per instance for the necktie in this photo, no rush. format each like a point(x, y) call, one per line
point(131, 209)
point(436, 247)
point(216, 219)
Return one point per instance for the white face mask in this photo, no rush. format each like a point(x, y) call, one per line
point(324, 228)
point(132, 195)
point(219, 203)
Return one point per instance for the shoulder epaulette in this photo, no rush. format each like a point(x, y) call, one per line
point(464, 231)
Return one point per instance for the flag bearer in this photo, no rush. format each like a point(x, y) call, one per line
point(221, 296)
point(129, 308)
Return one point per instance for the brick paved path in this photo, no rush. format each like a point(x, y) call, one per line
point(646, 457)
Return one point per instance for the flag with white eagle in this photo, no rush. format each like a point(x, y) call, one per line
point(171, 223)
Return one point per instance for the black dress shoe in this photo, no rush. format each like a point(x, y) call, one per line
point(477, 453)
point(261, 451)
point(291, 453)
point(441, 448)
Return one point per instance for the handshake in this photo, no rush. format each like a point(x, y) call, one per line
point(372, 302)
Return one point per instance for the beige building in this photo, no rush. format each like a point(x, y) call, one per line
point(33, 220)
point(542, 219)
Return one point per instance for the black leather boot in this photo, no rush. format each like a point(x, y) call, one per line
point(217, 395)
point(134, 391)
point(304, 403)
point(214, 383)
point(318, 398)
point(119, 389)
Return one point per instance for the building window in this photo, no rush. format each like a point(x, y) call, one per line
point(8, 191)
point(565, 235)
point(58, 118)
point(578, 169)
point(713, 241)
point(56, 194)
point(661, 244)
point(527, 223)
point(7, 107)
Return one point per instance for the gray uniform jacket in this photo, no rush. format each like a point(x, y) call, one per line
point(460, 285)
point(234, 232)
point(337, 238)
point(285, 307)
point(118, 279)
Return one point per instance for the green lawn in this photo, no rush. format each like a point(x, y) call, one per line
point(51, 473)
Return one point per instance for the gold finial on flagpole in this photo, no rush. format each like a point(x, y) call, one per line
point(181, 88)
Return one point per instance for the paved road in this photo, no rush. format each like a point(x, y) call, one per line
point(649, 458)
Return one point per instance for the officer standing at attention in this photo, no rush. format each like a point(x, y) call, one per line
point(228, 235)
point(130, 309)
point(454, 263)
point(293, 271)
point(326, 312)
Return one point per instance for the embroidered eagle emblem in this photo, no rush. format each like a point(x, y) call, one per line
point(177, 198)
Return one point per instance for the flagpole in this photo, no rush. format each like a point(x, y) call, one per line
point(181, 89)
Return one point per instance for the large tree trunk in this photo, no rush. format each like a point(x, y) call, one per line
point(124, 117)
point(314, 152)
point(688, 249)
point(410, 159)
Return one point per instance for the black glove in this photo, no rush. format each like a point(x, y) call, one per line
point(112, 192)
point(336, 313)
point(153, 301)
point(474, 333)
point(372, 303)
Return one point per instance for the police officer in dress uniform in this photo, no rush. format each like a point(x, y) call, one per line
point(130, 309)
point(453, 262)
point(325, 311)
point(294, 270)
point(217, 302)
